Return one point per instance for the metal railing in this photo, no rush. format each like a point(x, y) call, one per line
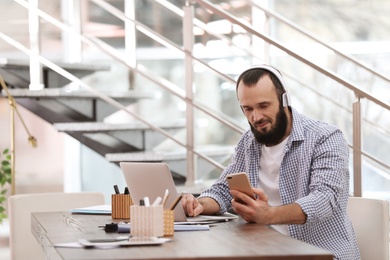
point(312, 37)
point(190, 58)
point(359, 93)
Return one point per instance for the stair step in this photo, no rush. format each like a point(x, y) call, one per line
point(144, 156)
point(108, 127)
point(117, 138)
point(25, 64)
point(177, 160)
point(57, 105)
point(16, 72)
point(66, 93)
point(159, 156)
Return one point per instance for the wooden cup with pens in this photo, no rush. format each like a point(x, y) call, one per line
point(120, 204)
point(153, 220)
point(169, 216)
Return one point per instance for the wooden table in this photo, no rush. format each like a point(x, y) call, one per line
point(231, 240)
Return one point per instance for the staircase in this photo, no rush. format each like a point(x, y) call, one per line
point(82, 115)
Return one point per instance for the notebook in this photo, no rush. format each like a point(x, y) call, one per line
point(151, 180)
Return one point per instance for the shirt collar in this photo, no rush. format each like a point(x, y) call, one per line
point(297, 132)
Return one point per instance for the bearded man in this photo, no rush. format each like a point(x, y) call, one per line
point(298, 168)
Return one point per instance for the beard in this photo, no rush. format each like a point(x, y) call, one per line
point(275, 135)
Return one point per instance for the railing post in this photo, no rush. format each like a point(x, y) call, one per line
point(188, 45)
point(130, 35)
point(36, 78)
point(357, 153)
point(71, 13)
point(260, 21)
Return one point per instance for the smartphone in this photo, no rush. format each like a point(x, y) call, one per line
point(239, 181)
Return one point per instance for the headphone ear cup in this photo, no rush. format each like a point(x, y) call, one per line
point(286, 99)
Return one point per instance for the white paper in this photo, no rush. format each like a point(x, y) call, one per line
point(95, 210)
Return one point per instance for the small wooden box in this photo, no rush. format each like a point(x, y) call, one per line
point(120, 206)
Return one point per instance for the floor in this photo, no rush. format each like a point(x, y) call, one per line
point(4, 241)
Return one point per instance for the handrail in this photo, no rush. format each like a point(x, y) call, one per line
point(359, 92)
point(301, 83)
point(315, 38)
point(203, 26)
point(380, 163)
point(155, 36)
point(31, 139)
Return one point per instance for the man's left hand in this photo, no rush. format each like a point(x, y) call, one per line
point(251, 210)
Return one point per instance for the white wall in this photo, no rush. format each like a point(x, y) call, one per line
point(37, 169)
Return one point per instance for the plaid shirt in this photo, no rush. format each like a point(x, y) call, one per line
point(314, 174)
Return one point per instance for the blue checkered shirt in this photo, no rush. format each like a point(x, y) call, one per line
point(314, 173)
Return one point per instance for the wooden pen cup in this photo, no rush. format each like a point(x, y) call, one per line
point(147, 221)
point(120, 206)
point(169, 222)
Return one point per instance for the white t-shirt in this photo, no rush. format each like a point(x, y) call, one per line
point(270, 161)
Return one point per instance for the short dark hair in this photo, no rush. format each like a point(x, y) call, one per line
point(252, 76)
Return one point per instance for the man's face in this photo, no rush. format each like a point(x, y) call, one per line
point(262, 109)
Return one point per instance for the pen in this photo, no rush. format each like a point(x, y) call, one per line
point(116, 189)
point(157, 201)
point(165, 197)
point(146, 200)
point(175, 202)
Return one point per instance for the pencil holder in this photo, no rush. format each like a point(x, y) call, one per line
point(120, 206)
point(146, 221)
point(169, 222)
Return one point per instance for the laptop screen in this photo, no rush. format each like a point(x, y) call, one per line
point(152, 180)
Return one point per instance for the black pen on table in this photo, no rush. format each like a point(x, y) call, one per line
point(116, 189)
point(175, 202)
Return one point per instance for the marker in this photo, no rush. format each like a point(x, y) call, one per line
point(146, 200)
point(157, 201)
point(116, 189)
point(175, 202)
point(165, 197)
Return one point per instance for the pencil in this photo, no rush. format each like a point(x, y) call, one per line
point(175, 202)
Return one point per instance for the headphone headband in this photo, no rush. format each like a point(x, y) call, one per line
point(285, 98)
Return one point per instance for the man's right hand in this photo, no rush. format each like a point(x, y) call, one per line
point(191, 205)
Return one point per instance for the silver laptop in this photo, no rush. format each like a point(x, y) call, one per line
point(152, 180)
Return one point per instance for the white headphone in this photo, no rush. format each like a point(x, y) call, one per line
point(285, 97)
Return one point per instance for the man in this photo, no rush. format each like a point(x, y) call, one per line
point(297, 166)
